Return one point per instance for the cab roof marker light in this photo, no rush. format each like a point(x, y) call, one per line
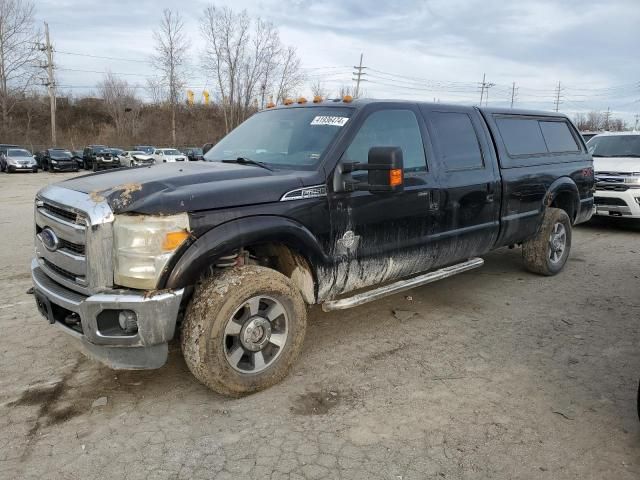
point(347, 99)
point(302, 100)
point(288, 101)
point(271, 105)
point(317, 99)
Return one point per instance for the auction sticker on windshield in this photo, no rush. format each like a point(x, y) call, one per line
point(329, 120)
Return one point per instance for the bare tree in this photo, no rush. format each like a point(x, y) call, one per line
point(290, 74)
point(121, 104)
point(156, 91)
point(170, 59)
point(318, 90)
point(18, 54)
point(248, 60)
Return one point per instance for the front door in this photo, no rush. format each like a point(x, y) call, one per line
point(378, 237)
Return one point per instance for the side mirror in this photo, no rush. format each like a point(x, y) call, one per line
point(385, 171)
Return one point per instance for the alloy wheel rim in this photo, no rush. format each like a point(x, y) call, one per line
point(557, 242)
point(255, 335)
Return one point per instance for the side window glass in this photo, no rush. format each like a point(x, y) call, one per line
point(390, 128)
point(521, 136)
point(558, 137)
point(457, 139)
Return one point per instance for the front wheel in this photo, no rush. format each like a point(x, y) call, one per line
point(548, 251)
point(243, 330)
point(95, 167)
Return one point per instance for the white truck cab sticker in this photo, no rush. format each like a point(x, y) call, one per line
point(329, 120)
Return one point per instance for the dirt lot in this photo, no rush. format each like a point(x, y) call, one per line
point(496, 373)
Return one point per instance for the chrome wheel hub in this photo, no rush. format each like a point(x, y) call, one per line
point(256, 334)
point(557, 242)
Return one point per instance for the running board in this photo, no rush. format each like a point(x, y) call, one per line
point(401, 286)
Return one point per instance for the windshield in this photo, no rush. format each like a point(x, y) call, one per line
point(62, 154)
point(288, 137)
point(170, 151)
point(145, 148)
point(615, 146)
point(117, 151)
point(196, 151)
point(18, 153)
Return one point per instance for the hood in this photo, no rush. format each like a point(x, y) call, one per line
point(616, 164)
point(170, 188)
point(142, 156)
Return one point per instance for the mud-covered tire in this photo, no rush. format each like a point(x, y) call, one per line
point(540, 253)
point(205, 339)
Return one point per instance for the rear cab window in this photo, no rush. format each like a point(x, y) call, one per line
point(536, 140)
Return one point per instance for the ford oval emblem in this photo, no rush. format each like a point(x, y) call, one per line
point(49, 239)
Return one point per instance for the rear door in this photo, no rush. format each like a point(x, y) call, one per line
point(469, 182)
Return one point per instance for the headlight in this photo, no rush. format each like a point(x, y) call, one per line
point(143, 244)
point(54, 162)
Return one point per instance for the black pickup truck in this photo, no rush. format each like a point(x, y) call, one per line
point(334, 203)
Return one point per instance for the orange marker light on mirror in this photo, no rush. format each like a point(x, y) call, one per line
point(395, 177)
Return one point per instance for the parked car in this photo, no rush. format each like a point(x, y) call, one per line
point(99, 157)
point(58, 159)
point(77, 156)
point(135, 158)
point(616, 161)
point(331, 203)
point(206, 147)
point(588, 135)
point(193, 154)
point(17, 160)
point(165, 155)
point(148, 149)
point(5, 146)
point(89, 154)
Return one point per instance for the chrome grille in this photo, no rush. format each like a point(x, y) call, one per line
point(81, 257)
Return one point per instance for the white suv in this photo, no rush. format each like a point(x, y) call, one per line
point(163, 155)
point(616, 163)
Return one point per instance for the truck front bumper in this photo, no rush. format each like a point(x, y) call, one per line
point(618, 204)
point(93, 321)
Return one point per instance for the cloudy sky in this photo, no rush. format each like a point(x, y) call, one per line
point(429, 49)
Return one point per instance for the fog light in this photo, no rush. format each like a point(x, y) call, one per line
point(128, 321)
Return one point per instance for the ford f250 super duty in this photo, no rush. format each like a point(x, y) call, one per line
point(327, 202)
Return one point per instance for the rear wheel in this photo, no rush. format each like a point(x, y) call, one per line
point(548, 251)
point(243, 330)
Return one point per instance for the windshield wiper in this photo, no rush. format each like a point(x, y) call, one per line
point(249, 161)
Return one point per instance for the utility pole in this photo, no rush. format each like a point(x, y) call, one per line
point(635, 127)
point(607, 119)
point(485, 86)
point(513, 93)
point(50, 83)
point(557, 100)
point(358, 76)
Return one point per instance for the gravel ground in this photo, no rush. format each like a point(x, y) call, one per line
point(495, 373)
